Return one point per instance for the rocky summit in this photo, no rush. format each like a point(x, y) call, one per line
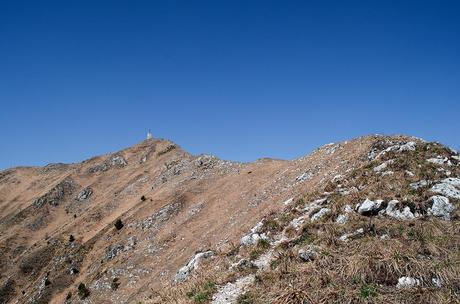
point(370, 220)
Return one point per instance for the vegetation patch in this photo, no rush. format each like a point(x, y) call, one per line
point(203, 293)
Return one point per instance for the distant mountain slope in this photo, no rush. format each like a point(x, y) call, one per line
point(374, 219)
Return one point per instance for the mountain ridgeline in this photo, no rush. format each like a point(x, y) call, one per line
point(370, 220)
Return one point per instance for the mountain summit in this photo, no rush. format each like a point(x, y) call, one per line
point(370, 220)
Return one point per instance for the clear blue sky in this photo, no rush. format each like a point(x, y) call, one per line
point(238, 79)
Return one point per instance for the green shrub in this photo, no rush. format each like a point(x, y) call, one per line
point(115, 284)
point(263, 244)
point(83, 292)
point(271, 225)
point(202, 294)
point(367, 291)
point(118, 224)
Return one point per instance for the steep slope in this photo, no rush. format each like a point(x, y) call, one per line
point(185, 219)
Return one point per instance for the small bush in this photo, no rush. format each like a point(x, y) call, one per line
point(263, 244)
point(202, 294)
point(143, 198)
point(367, 291)
point(71, 238)
point(271, 225)
point(115, 284)
point(245, 298)
point(118, 224)
point(83, 292)
point(254, 254)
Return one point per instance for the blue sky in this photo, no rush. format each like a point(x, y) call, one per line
point(238, 79)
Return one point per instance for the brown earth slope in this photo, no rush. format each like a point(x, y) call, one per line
point(57, 222)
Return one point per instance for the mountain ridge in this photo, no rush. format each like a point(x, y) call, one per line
point(172, 204)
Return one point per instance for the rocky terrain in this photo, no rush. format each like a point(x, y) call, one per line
point(371, 220)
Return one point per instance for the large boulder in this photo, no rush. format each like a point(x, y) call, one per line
point(447, 187)
point(441, 207)
point(369, 207)
point(396, 210)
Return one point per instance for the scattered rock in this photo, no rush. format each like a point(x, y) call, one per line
point(347, 191)
point(230, 292)
point(113, 251)
point(185, 271)
point(320, 214)
point(288, 202)
point(113, 161)
point(343, 218)
point(57, 194)
point(84, 194)
point(387, 173)
point(132, 241)
point(409, 173)
point(437, 282)
point(254, 236)
point(409, 146)
point(252, 239)
point(331, 148)
point(263, 261)
point(118, 160)
point(400, 147)
point(337, 178)
point(440, 161)
point(297, 222)
point(243, 264)
point(308, 254)
point(346, 237)
point(383, 166)
point(195, 209)
point(163, 215)
point(43, 284)
point(303, 177)
point(419, 184)
point(407, 282)
point(313, 206)
point(308, 209)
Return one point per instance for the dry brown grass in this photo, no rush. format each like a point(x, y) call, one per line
point(366, 269)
